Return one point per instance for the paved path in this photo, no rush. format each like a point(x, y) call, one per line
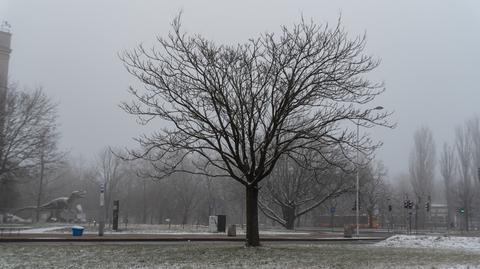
point(56, 237)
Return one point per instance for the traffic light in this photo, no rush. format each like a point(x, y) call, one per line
point(389, 208)
point(405, 204)
point(410, 204)
point(427, 206)
point(461, 210)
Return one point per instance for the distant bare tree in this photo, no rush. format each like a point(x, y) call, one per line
point(109, 172)
point(240, 108)
point(186, 190)
point(373, 188)
point(473, 127)
point(291, 191)
point(422, 168)
point(465, 192)
point(29, 119)
point(448, 168)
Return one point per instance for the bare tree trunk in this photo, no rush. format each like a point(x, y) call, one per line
point(370, 219)
point(185, 216)
point(289, 216)
point(253, 238)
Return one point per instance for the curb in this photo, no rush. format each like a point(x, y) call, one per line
point(178, 239)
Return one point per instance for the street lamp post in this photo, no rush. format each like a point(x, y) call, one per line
point(101, 217)
point(358, 174)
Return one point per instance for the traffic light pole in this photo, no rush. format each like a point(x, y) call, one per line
point(410, 222)
point(408, 205)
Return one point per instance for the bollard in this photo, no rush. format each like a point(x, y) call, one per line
point(232, 230)
point(347, 231)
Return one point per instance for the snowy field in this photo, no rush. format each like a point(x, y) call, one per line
point(435, 242)
point(192, 255)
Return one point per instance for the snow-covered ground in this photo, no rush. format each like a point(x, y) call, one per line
point(432, 242)
point(43, 230)
point(201, 255)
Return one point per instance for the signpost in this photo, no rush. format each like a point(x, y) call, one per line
point(332, 213)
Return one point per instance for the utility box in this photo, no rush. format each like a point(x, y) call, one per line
point(222, 223)
point(347, 230)
point(77, 230)
point(217, 224)
point(212, 224)
point(232, 230)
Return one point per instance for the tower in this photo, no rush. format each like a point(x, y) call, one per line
point(5, 50)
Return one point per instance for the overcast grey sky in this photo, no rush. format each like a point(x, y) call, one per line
point(429, 52)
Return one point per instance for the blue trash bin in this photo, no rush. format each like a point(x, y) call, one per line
point(77, 230)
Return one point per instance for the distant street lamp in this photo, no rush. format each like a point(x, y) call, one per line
point(358, 174)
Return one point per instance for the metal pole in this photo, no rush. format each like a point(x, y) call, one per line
point(389, 215)
point(410, 222)
point(358, 179)
point(101, 223)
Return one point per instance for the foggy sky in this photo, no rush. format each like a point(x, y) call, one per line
point(429, 52)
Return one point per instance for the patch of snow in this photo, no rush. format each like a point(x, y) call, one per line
point(432, 242)
point(42, 230)
point(279, 233)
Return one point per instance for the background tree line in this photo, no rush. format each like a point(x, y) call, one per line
point(442, 175)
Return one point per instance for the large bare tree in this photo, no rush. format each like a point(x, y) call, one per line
point(240, 108)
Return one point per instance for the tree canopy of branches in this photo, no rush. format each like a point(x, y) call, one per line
point(29, 132)
point(240, 108)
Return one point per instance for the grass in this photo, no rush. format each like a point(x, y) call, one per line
point(229, 256)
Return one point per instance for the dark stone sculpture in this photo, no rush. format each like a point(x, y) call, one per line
point(58, 206)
